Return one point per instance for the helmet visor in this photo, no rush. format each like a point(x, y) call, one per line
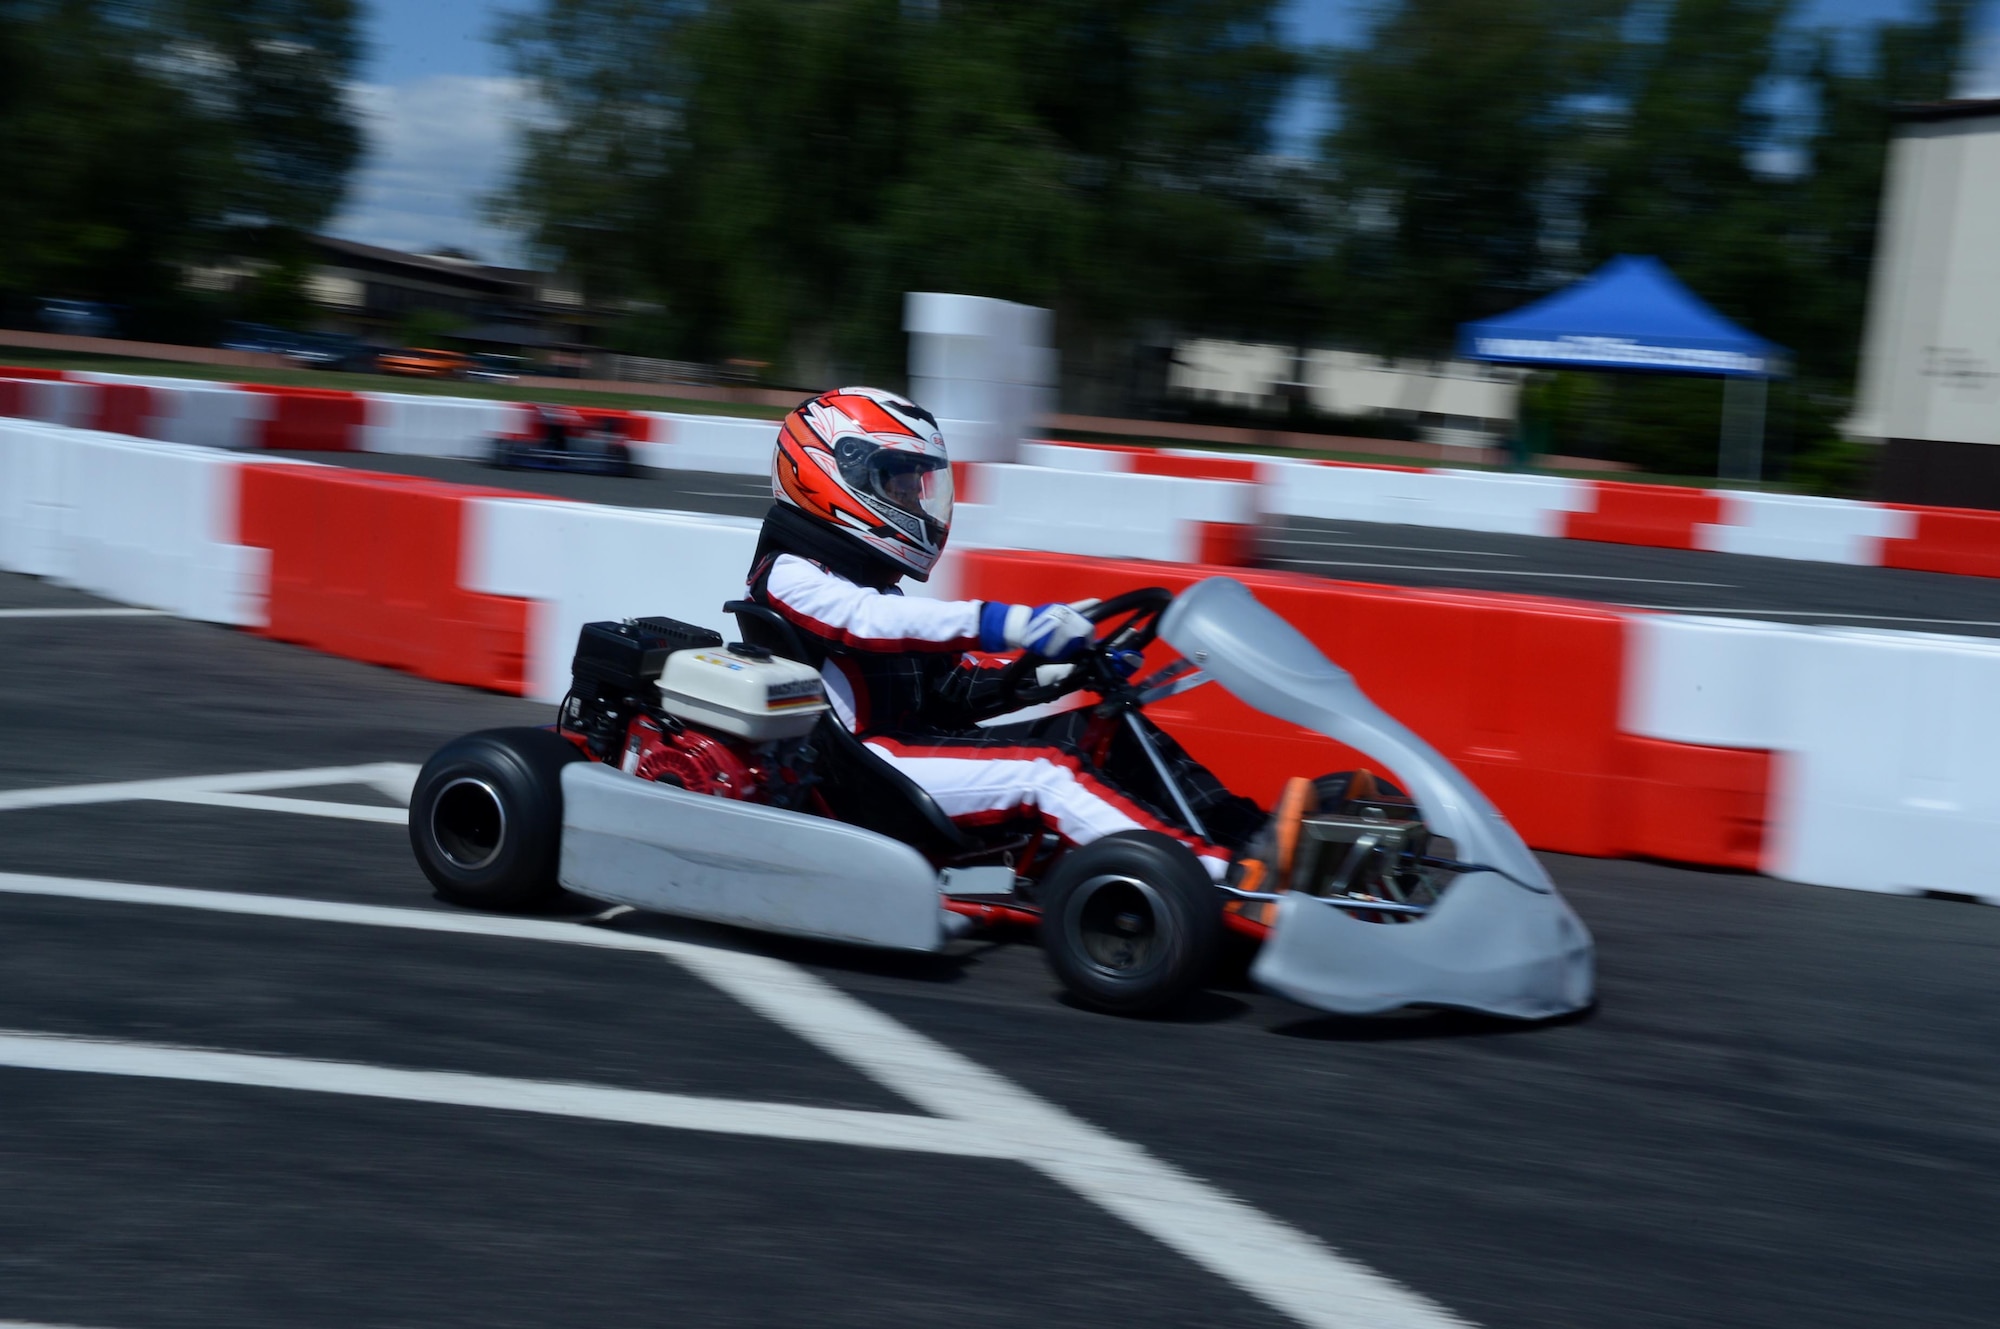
point(916, 484)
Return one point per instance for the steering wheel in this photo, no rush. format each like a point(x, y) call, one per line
point(1140, 611)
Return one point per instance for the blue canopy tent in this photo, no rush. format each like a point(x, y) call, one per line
point(1634, 314)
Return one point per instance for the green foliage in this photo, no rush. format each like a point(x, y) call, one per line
point(428, 328)
point(137, 136)
point(1454, 147)
point(775, 174)
point(1488, 153)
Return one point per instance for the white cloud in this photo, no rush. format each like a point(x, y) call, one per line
point(436, 147)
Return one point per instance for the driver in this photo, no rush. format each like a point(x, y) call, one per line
point(554, 425)
point(864, 497)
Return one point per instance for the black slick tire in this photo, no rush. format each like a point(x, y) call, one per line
point(486, 818)
point(1132, 924)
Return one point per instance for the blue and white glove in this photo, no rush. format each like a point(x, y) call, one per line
point(1052, 631)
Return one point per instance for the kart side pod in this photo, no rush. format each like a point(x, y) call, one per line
point(1500, 940)
point(652, 846)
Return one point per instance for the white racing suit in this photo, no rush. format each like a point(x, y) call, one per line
point(899, 673)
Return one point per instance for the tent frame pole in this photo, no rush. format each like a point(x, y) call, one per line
point(1741, 454)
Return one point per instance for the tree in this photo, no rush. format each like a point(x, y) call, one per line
point(1452, 160)
point(138, 136)
point(776, 173)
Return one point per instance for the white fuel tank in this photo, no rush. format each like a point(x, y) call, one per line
point(743, 690)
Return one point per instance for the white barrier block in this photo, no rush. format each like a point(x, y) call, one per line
point(1458, 500)
point(31, 498)
point(1062, 457)
point(1101, 514)
point(580, 563)
point(407, 424)
point(1718, 682)
point(58, 402)
point(1821, 530)
point(1884, 779)
point(219, 417)
point(721, 443)
point(143, 523)
point(149, 380)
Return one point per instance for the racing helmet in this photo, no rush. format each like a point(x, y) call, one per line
point(871, 466)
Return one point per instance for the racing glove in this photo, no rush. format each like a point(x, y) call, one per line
point(1052, 631)
point(1126, 663)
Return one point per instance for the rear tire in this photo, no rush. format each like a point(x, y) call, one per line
point(1131, 923)
point(486, 818)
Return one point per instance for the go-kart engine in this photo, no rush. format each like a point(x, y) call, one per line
point(667, 701)
point(697, 762)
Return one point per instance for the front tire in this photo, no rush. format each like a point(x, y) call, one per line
point(486, 818)
point(1131, 923)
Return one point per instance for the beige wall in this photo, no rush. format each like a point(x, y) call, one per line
point(1930, 355)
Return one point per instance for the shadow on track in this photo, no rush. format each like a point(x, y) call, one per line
point(1418, 1024)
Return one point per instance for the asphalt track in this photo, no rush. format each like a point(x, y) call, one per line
point(1781, 1113)
point(1684, 581)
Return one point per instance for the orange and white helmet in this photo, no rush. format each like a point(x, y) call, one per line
point(872, 466)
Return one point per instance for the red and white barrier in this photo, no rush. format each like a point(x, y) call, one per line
point(1835, 756)
point(1160, 517)
point(724, 444)
point(1884, 742)
point(577, 562)
point(412, 425)
point(1826, 530)
point(1129, 517)
point(148, 524)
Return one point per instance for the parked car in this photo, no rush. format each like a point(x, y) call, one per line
point(330, 350)
point(422, 362)
point(488, 368)
point(78, 318)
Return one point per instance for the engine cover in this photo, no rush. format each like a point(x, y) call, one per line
point(745, 691)
point(697, 762)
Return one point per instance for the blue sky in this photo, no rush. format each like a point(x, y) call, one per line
point(439, 104)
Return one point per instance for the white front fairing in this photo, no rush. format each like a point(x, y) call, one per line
point(1500, 940)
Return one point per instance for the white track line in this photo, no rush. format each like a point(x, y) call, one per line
point(1405, 549)
point(311, 807)
point(81, 613)
point(391, 777)
point(1506, 572)
point(1822, 613)
point(636, 1107)
point(1287, 1269)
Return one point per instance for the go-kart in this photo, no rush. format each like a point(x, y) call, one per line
point(711, 782)
point(587, 451)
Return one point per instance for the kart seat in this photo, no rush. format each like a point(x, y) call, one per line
point(862, 789)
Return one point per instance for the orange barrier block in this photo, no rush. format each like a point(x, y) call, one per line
point(1226, 544)
point(1659, 516)
point(1959, 540)
point(311, 419)
point(122, 408)
point(366, 566)
point(1695, 805)
point(1520, 693)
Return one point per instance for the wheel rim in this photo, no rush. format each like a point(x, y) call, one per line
point(468, 823)
point(1115, 925)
